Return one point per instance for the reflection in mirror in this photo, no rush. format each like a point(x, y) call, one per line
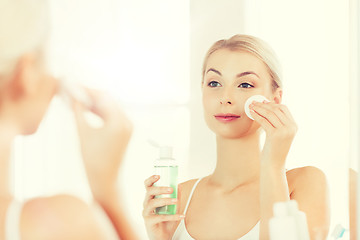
point(139, 51)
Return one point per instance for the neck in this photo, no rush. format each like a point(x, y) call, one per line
point(6, 137)
point(238, 161)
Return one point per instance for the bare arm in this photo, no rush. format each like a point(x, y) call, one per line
point(114, 207)
point(103, 150)
point(280, 130)
point(310, 192)
point(57, 218)
point(273, 188)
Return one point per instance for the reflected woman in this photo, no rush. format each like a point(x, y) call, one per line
point(236, 200)
point(26, 89)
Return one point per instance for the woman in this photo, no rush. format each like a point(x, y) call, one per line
point(26, 90)
point(236, 200)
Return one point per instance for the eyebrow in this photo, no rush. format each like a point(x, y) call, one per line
point(214, 70)
point(238, 75)
point(246, 73)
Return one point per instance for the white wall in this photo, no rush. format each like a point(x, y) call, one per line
point(210, 21)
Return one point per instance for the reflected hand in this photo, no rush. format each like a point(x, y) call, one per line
point(159, 227)
point(280, 128)
point(102, 148)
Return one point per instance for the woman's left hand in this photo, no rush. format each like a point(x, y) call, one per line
point(102, 148)
point(280, 128)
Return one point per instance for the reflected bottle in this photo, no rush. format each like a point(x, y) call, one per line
point(167, 168)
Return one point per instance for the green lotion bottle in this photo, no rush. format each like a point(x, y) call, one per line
point(167, 168)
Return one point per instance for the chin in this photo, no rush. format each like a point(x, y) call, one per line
point(231, 135)
point(30, 129)
point(233, 131)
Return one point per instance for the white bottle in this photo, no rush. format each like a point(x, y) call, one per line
point(167, 168)
point(300, 218)
point(282, 226)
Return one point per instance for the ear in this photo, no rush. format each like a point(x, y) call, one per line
point(278, 96)
point(25, 77)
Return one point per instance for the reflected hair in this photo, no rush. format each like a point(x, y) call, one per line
point(23, 29)
point(253, 45)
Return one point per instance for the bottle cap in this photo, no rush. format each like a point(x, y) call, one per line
point(165, 152)
point(280, 209)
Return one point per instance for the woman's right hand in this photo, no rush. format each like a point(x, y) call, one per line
point(159, 227)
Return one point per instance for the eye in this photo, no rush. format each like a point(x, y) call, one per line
point(246, 85)
point(214, 84)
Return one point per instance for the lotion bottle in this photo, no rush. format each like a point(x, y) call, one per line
point(167, 168)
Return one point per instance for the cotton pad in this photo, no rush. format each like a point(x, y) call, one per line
point(257, 98)
point(69, 91)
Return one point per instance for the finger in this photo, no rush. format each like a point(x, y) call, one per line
point(156, 219)
point(286, 111)
point(79, 111)
point(267, 113)
point(160, 202)
point(104, 106)
point(264, 123)
point(151, 180)
point(154, 191)
point(159, 190)
point(282, 112)
point(274, 109)
point(157, 202)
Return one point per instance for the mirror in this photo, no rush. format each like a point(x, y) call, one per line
point(149, 56)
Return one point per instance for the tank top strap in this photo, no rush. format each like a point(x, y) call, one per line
point(191, 193)
point(12, 221)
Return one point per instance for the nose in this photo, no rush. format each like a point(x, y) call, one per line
point(226, 98)
point(225, 102)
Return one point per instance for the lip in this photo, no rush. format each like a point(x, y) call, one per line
point(227, 117)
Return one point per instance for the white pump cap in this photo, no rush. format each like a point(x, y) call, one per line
point(165, 152)
point(280, 209)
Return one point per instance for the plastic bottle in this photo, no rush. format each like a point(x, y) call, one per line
point(167, 168)
point(288, 222)
point(282, 226)
point(300, 218)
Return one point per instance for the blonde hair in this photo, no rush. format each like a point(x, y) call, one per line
point(23, 29)
point(254, 46)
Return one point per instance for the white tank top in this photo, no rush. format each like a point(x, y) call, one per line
point(181, 232)
point(12, 221)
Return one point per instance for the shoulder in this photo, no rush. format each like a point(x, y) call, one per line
point(309, 187)
point(306, 177)
point(188, 185)
point(58, 217)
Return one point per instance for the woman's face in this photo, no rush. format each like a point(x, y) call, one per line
point(231, 77)
point(38, 102)
point(28, 96)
